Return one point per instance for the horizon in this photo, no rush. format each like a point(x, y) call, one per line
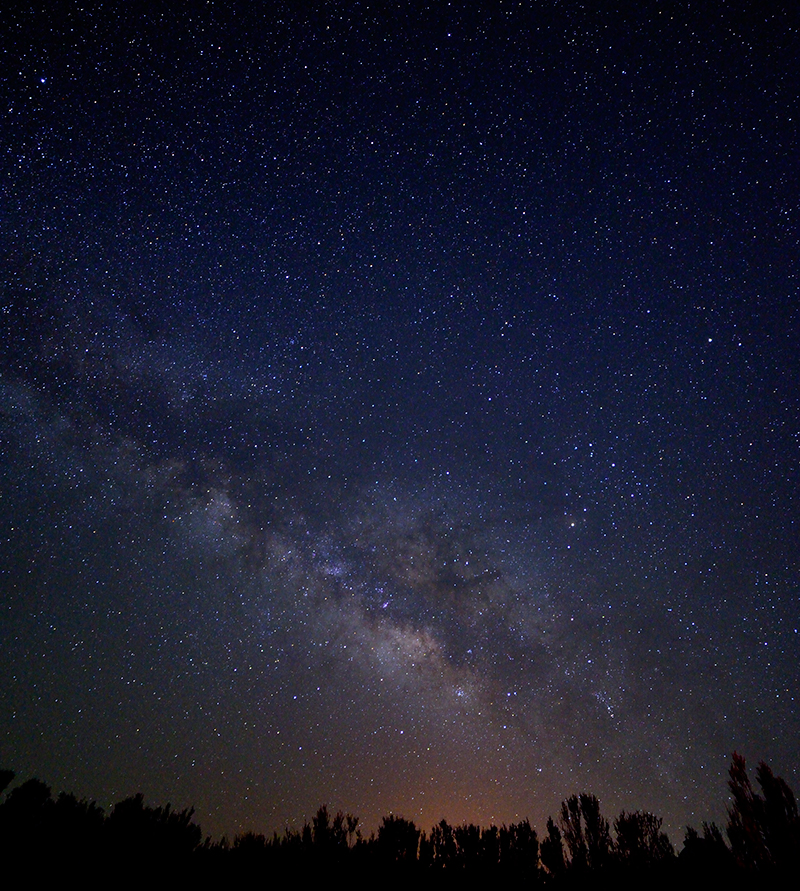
point(361, 829)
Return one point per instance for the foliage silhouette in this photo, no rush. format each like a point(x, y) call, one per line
point(77, 830)
point(136, 841)
point(779, 817)
point(26, 819)
point(640, 843)
point(705, 857)
point(519, 851)
point(398, 841)
point(763, 830)
point(140, 838)
point(445, 849)
point(585, 832)
point(552, 853)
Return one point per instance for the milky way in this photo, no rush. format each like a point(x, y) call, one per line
point(399, 411)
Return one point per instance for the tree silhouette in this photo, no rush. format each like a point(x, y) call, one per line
point(250, 844)
point(468, 843)
point(398, 841)
point(764, 831)
point(28, 802)
point(425, 856)
point(572, 830)
point(596, 832)
point(553, 850)
point(26, 819)
point(351, 828)
point(490, 849)
point(744, 819)
point(322, 833)
point(70, 835)
point(640, 843)
point(139, 835)
point(77, 830)
point(444, 846)
point(328, 839)
point(779, 818)
point(705, 857)
point(585, 832)
point(519, 849)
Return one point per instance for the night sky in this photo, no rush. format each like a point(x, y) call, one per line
point(399, 406)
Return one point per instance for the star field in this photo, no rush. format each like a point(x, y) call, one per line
point(399, 407)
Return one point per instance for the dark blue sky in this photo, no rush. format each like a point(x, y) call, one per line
point(399, 406)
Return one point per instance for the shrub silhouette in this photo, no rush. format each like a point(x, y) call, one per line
point(139, 836)
point(705, 857)
point(138, 842)
point(398, 840)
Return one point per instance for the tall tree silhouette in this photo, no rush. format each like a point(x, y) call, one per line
point(596, 832)
point(490, 849)
point(572, 830)
point(330, 837)
point(779, 818)
point(763, 830)
point(468, 842)
point(552, 850)
point(519, 850)
point(744, 819)
point(586, 832)
point(444, 846)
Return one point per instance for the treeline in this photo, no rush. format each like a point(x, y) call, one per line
point(760, 843)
